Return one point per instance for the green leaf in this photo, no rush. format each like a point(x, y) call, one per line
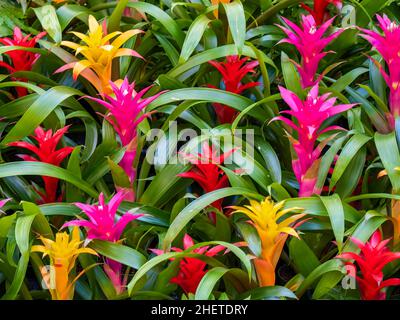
point(290, 75)
point(271, 159)
point(349, 151)
point(165, 180)
point(376, 117)
point(5, 224)
point(48, 18)
point(115, 19)
point(314, 206)
point(120, 253)
point(208, 282)
point(193, 37)
point(334, 207)
point(67, 12)
point(328, 266)
point(23, 168)
point(304, 259)
point(38, 112)
point(237, 23)
point(347, 79)
point(388, 150)
point(212, 95)
point(22, 233)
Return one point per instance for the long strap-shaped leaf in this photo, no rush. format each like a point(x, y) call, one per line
point(237, 23)
point(388, 150)
point(24, 168)
point(38, 112)
point(334, 207)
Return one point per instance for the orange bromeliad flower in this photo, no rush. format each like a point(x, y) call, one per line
point(264, 217)
point(63, 253)
point(99, 52)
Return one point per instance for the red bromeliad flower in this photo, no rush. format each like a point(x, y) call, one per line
point(46, 152)
point(102, 225)
point(207, 173)
point(388, 45)
point(374, 256)
point(191, 270)
point(310, 115)
point(126, 113)
point(310, 43)
point(320, 9)
point(232, 71)
point(21, 60)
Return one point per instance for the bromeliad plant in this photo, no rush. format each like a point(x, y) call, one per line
point(191, 270)
point(232, 72)
point(374, 256)
point(273, 228)
point(102, 226)
point(46, 151)
point(306, 112)
point(310, 114)
point(388, 46)
point(309, 40)
point(99, 52)
point(63, 253)
point(21, 60)
point(207, 172)
point(126, 111)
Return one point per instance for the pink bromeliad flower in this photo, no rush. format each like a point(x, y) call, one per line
point(102, 225)
point(207, 172)
point(388, 45)
point(232, 71)
point(191, 270)
point(21, 60)
point(310, 42)
point(126, 108)
point(374, 256)
point(46, 151)
point(310, 115)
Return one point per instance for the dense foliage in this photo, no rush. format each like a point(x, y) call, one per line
point(199, 149)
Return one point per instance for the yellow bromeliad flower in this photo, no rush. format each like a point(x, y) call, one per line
point(264, 217)
point(63, 253)
point(99, 52)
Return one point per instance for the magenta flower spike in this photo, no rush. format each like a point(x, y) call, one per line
point(310, 42)
point(310, 115)
point(102, 225)
point(388, 45)
point(125, 114)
